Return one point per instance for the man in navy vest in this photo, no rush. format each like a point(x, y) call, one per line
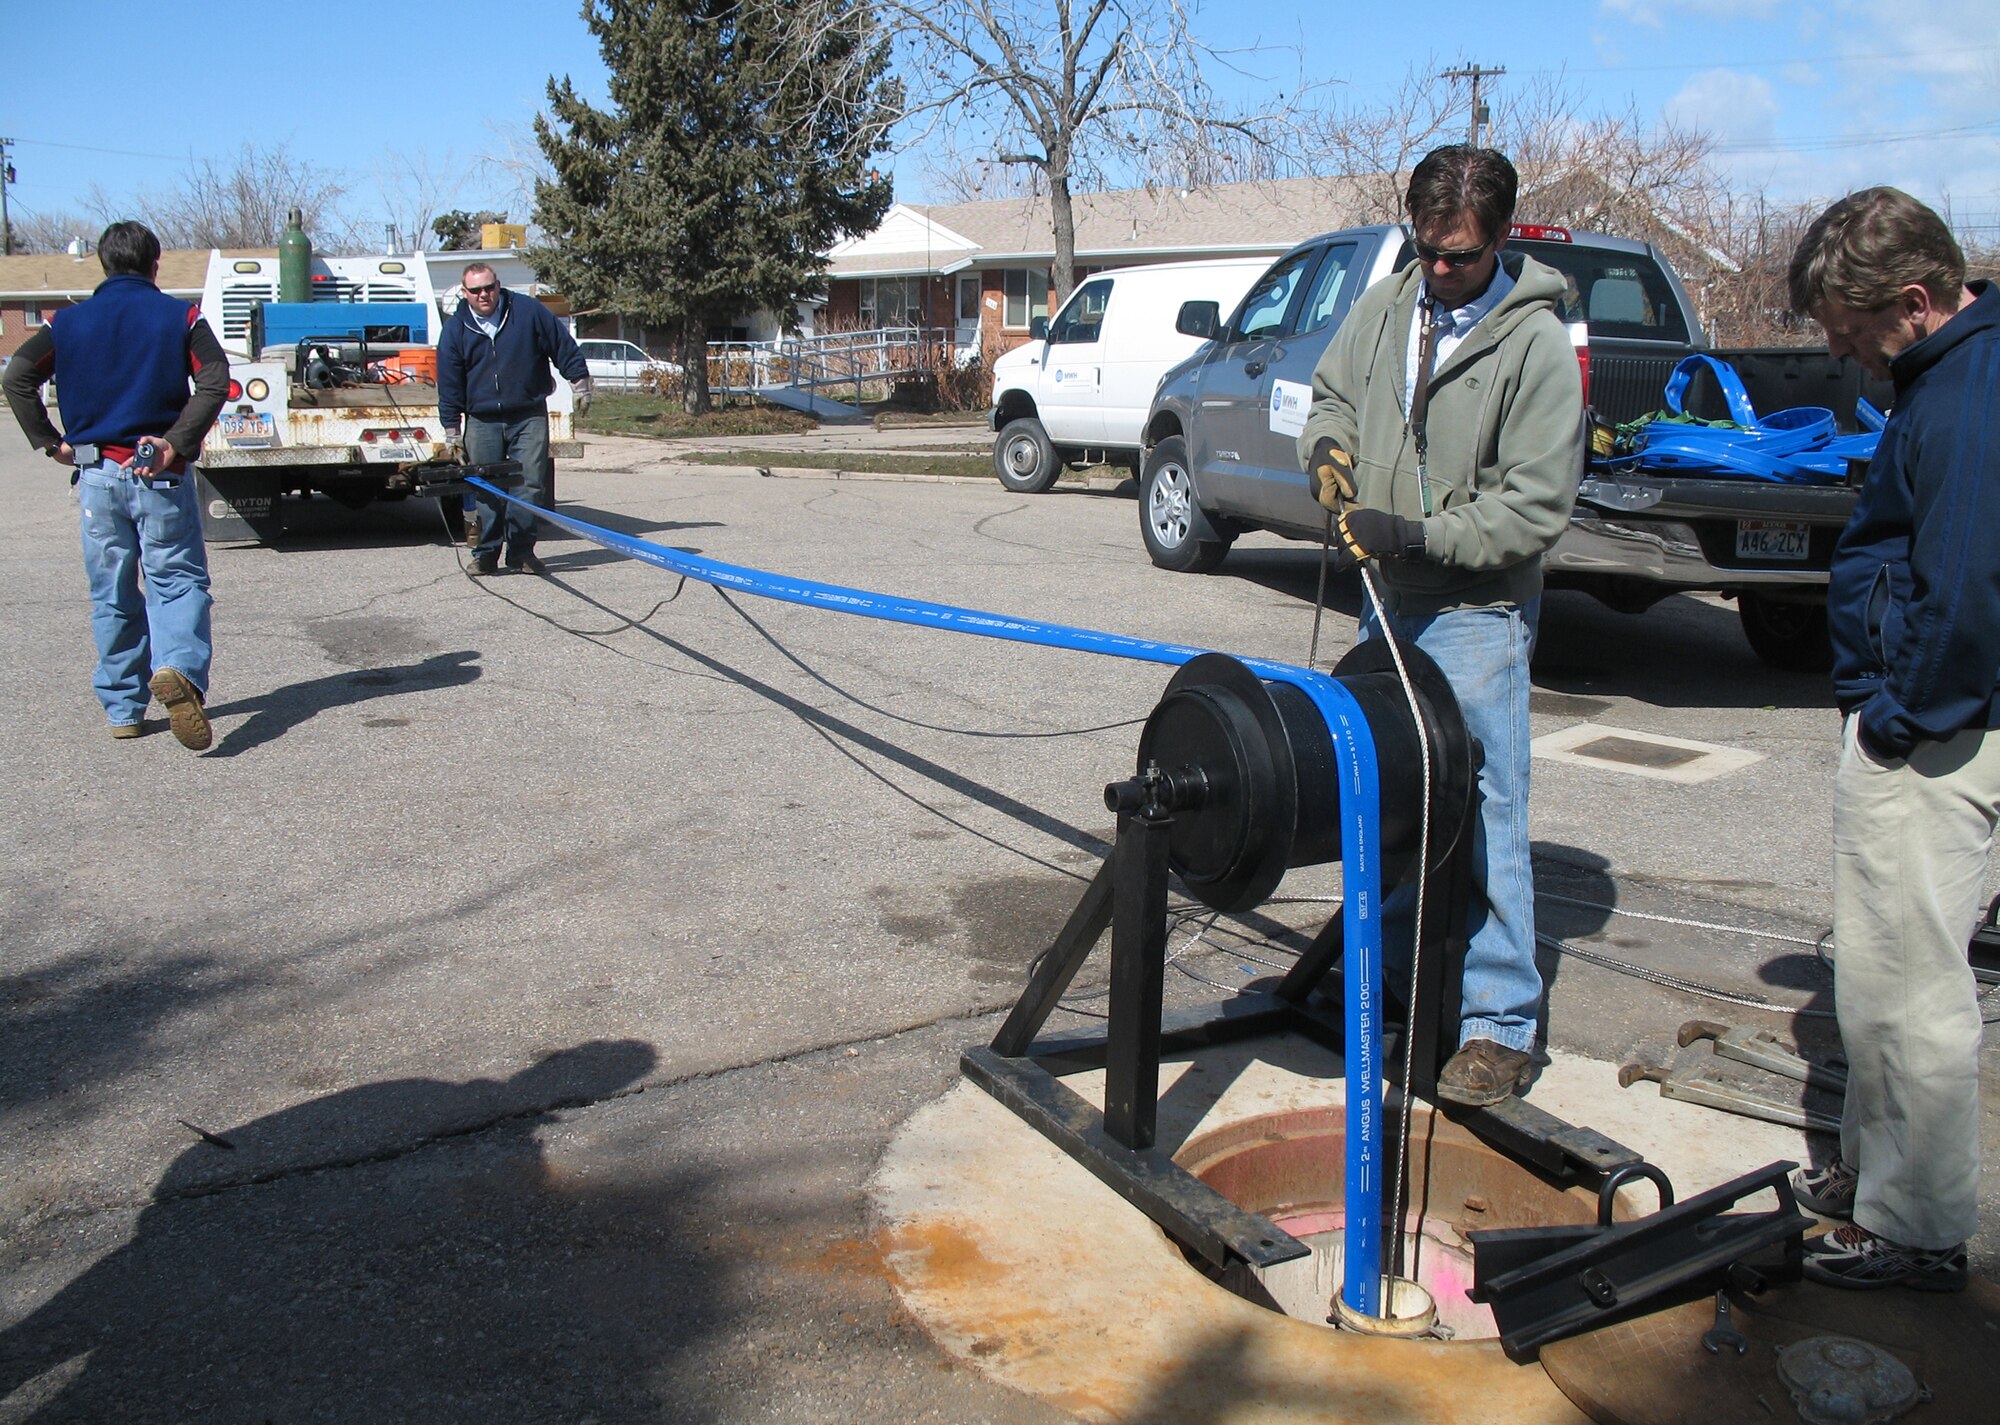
point(124, 359)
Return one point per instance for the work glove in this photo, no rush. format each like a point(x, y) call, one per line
point(583, 389)
point(1331, 474)
point(1376, 534)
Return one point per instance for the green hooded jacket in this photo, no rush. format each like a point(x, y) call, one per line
point(1506, 437)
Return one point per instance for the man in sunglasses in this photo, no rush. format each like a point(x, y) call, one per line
point(493, 362)
point(1446, 440)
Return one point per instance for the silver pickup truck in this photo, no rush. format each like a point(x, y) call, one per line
point(1220, 455)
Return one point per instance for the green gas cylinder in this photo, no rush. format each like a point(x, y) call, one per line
point(295, 256)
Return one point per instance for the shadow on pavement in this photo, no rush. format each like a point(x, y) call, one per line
point(474, 1282)
point(277, 712)
point(86, 1019)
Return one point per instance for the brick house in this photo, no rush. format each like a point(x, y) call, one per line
point(35, 284)
point(983, 268)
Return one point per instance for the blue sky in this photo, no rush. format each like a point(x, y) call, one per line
point(1803, 99)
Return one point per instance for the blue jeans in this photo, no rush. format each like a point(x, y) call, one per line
point(1484, 655)
point(525, 439)
point(130, 531)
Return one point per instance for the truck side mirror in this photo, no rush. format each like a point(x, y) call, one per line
point(1038, 329)
point(1198, 319)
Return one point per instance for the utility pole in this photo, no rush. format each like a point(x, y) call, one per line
point(6, 182)
point(1479, 113)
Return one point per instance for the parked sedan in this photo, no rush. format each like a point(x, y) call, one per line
point(619, 365)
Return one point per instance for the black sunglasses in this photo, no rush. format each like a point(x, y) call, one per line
point(1463, 257)
point(495, 287)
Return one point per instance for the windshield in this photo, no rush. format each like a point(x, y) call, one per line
point(1620, 294)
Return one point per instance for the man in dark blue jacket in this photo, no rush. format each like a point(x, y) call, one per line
point(124, 359)
point(493, 370)
point(1914, 608)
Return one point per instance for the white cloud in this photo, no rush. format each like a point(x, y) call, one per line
point(1729, 106)
point(1655, 14)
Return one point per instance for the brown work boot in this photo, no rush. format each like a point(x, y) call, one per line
point(184, 711)
point(123, 730)
point(1482, 1073)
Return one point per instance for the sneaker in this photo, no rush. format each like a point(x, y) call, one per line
point(1483, 1073)
point(526, 563)
point(184, 711)
point(1828, 1191)
point(1856, 1258)
point(485, 564)
point(123, 730)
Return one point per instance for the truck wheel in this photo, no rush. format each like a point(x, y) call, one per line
point(1177, 534)
point(1786, 635)
point(1024, 459)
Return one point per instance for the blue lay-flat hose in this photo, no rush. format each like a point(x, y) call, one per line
point(1360, 823)
point(1795, 445)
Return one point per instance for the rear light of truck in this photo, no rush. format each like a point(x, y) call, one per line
point(235, 391)
point(1579, 337)
point(1538, 232)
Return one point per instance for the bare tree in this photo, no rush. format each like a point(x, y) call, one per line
point(414, 193)
point(1072, 90)
point(1376, 144)
point(243, 204)
point(960, 177)
point(52, 232)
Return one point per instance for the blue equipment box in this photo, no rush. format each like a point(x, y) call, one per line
point(288, 323)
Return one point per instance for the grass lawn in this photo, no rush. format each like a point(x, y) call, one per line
point(635, 413)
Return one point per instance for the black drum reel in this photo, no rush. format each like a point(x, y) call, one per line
point(1238, 783)
point(1249, 774)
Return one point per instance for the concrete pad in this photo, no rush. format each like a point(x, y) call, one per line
point(1021, 1263)
point(1643, 754)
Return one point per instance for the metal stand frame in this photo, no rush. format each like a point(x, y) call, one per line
point(1129, 895)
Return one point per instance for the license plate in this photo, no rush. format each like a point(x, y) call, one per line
point(1772, 539)
point(248, 431)
point(388, 452)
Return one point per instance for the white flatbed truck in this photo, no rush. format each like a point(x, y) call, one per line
point(343, 406)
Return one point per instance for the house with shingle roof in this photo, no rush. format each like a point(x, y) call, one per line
point(983, 268)
point(33, 285)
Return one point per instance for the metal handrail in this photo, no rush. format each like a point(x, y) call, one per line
point(829, 359)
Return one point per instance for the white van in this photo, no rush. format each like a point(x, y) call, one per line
point(1078, 394)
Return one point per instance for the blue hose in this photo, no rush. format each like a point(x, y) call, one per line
point(1360, 824)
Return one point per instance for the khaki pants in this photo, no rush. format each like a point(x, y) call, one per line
point(1910, 844)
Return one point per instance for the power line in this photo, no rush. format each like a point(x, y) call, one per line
point(1871, 59)
point(1855, 140)
point(86, 148)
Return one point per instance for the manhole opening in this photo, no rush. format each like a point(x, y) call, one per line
point(1290, 1167)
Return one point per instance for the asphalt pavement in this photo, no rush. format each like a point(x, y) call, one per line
point(502, 1021)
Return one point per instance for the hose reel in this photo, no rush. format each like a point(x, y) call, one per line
point(1247, 767)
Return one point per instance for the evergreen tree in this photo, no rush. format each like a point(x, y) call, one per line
point(732, 156)
point(458, 230)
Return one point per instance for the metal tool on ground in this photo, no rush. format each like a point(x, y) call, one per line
point(1545, 1283)
point(1985, 946)
point(1724, 1332)
point(1761, 1049)
point(1689, 1086)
